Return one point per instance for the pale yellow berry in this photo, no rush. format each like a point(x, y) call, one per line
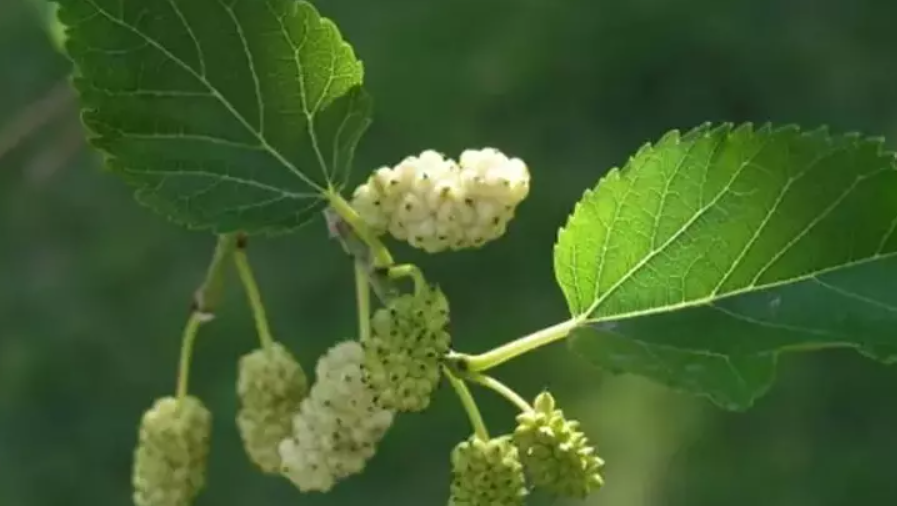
point(270, 386)
point(172, 452)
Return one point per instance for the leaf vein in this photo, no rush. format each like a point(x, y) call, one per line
point(815, 221)
point(199, 53)
point(250, 61)
point(228, 178)
point(224, 101)
point(160, 136)
point(653, 253)
point(855, 296)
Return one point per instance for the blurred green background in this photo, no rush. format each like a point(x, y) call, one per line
point(94, 289)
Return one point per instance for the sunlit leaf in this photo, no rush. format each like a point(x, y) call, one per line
point(729, 245)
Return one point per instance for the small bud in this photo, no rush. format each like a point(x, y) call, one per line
point(487, 473)
point(270, 385)
point(172, 451)
point(556, 455)
point(404, 351)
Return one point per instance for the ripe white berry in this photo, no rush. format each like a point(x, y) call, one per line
point(436, 204)
point(338, 425)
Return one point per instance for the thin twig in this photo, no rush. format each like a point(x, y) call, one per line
point(64, 149)
point(35, 116)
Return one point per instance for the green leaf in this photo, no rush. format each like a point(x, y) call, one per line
point(225, 114)
point(714, 251)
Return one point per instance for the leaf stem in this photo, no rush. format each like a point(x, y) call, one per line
point(381, 256)
point(209, 293)
point(470, 405)
point(205, 300)
point(517, 347)
point(500, 388)
point(363, 298)
point(252, 294)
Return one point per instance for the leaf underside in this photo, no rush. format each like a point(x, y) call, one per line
point(711, 252)
point(224, 114)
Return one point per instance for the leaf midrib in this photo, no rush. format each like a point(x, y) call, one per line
point(263, 143)
point(232, 179)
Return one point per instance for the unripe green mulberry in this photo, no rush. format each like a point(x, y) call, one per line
point(404, 351)
point(487, 473)
point(270, 385)
point(170, 460)
point(556, 455)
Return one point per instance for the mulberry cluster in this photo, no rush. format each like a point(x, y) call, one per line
point(270, 386)
point(172, 451)
point(556, 455)
point(436, 204)
point(338, 425)
point(487, 473)
point(404, 351)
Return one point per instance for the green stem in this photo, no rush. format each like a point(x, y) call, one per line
point(209, 293)
point(502, 389)
point(189, 337)
point(381, 255)
point(513, 349)
point(254, 296)
point(409, 271)
point(363, 297)
point(205, 301)
point(470, 405)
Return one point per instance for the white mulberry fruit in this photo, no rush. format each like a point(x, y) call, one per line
point(437, 204)
point(338, 425)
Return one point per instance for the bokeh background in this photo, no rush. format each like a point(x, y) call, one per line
point(94, 289)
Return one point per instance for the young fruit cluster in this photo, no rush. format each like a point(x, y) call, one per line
point(487, 472)
point(557, 456)
point(317, 437)
point(435, 203)
point(313, 437)
point(404, 351)
point(545, 450)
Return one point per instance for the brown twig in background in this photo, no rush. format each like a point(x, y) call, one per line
point(58, 154)
point(36, 115)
